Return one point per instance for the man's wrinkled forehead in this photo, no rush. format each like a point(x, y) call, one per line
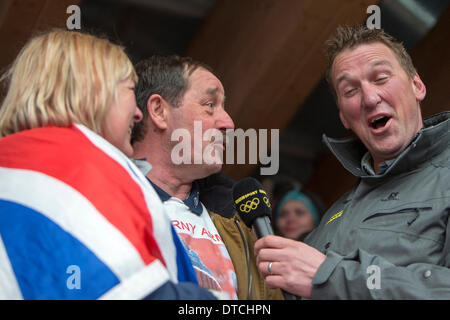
point(189, 71)
point(375, 54)
point(212, 88)
point(343, 76)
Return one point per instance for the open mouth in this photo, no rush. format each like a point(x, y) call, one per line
point(379, 122)
point(219, 142)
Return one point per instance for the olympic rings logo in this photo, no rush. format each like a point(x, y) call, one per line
point(249, 205)
point(266, 201)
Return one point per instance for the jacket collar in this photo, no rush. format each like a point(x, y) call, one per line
point(431, 140)
point(216, 194)
point(192, 201)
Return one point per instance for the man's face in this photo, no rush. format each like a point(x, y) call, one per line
point(203, 105)
point(377, 100)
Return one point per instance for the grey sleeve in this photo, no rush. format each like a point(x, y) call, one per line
point(361, 275)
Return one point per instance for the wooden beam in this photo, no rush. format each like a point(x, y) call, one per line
point(23, 18)
point(4, 7)
point(269, 55)
point(330, 180)
point(432, 60)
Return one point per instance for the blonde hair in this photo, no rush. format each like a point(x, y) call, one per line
point(60, 78)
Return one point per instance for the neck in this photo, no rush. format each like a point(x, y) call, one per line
point(170, 183)
point(377, 161)
point(375, 165)
point(164, 173)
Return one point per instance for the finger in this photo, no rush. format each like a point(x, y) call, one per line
point(299, 288)
point(260, 244)
point(267, 255)
point(270, 242)
point(263, 268)
point(275, 281)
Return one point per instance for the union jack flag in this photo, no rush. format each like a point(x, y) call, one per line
point(78, 220)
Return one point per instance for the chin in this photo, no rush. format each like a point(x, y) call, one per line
point(390, 153)
point(208, 170)
point(127, 150)
point(389, 149)
point(214, 168)
point(293, 236)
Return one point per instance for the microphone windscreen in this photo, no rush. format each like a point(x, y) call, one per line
point(250, 200)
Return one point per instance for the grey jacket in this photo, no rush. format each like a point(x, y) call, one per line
point(389, 237)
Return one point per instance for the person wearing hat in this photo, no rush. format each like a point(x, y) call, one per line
point(295, 215)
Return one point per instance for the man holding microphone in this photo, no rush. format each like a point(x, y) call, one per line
point(394, 223)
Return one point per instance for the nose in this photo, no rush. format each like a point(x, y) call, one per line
point(370, 96)
point(224, 121)
point(290, 217)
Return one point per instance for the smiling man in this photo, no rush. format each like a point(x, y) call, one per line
point(378, 100)
point(388, 237)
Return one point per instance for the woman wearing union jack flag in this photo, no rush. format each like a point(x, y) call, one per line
point(77, 219)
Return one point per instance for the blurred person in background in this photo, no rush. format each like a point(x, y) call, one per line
point(296, 211)
point(295, 215)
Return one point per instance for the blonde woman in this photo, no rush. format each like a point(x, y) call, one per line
point(77, 219)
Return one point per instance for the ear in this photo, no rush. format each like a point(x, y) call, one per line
point(419, 88)
point(343, 120)
point(157, 111)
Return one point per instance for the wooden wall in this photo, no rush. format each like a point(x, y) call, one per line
point(269, 55)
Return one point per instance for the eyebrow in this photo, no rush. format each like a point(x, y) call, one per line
point(341, 78)
point(376, 63)
point(382, 63)
point(214, 92)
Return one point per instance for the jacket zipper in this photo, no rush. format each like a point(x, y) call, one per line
point(416, 210)
point(247, 257)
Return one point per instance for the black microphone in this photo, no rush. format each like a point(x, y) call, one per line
point(253, 205)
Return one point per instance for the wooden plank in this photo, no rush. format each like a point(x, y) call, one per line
point(432, 60)
point(269, 55)
point(330, 180)
point(4, 7)
point(19, 22)
point(23, 18)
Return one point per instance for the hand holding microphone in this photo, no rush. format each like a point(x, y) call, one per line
point(253, 205)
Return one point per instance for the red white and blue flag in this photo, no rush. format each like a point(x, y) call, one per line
point(78, 220)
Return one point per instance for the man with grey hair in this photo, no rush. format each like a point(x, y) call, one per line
point(388, 237)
